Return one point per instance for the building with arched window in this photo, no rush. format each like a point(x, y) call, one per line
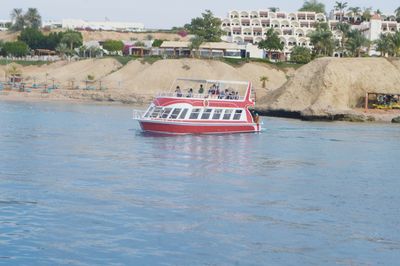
point(250, 27)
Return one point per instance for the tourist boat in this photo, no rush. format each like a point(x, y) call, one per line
point(218, 107)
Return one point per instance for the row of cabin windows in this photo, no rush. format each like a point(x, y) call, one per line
point(179, 113)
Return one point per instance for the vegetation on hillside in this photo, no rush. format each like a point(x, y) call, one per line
point(207, 27)
point(313, 6)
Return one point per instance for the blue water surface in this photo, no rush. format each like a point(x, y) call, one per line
point(81, 185)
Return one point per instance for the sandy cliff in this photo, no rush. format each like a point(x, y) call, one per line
point(329, 86)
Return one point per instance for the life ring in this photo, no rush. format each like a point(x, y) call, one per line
point(206, 103)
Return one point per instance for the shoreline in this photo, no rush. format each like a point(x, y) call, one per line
point(81, 97)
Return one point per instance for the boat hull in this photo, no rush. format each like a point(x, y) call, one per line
point(196, 128)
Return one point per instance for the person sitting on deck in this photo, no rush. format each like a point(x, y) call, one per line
point(211, 90)
point(190, 93)
point(222, 95)
point(201, 89)
point(236, 96)
point(178, 91)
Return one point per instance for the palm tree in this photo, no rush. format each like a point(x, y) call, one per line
point(366, 15)
point(72, 38)
point(341, 6)
point(274, 9)
point(322, 40)
point(397, 12)
point(395, 43)
point(355, 42)
point(354, 11)
point(17, 19)
point(264, 80)
point(344, 28)
point(14, 71)
point(383, 44)
point(62, 49)
point(33, 18)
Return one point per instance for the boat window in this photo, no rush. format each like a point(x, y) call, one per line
point(156, 112)
point(238, 114)
point(183, 114)
point(217, 114)
point(195, 113)
point(206, 114)
point(227, 114)
point(166, 112)
point(175, 113)
point(149, 112)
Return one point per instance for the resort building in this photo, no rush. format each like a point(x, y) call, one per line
point(80, 24)
point(4, 24)
point(251, 27)
point(371, 29)
point(206, 50)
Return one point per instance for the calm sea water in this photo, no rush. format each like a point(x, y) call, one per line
point(81, 185)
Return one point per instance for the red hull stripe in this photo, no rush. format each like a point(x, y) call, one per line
point(195, 129)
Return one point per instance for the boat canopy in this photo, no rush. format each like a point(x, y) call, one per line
point(214, 81)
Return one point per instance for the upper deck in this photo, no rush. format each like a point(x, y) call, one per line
point(208, 92)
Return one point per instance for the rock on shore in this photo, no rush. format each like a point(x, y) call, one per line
point(331, 88)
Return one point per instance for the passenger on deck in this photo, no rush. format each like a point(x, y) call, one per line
point(237, 96)
point(190, 93)
point(222, 95)
point(178, 91)
point(201, 89)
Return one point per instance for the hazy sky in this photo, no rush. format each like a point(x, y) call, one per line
point(162, 13)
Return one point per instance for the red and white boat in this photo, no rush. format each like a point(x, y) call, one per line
point(218, 107)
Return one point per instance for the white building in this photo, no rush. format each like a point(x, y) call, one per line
point(372, 29)
point(4, 24)
point(102, 25)
point(252, 26)
point(52, 24)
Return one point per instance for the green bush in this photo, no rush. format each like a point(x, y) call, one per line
point(17, 49)
point(300, 55)
point(157, 43)
point(113, 45)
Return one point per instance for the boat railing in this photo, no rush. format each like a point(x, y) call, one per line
point(203, 96)
point(138, 114)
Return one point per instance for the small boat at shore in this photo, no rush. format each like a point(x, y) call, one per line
point(216, 107)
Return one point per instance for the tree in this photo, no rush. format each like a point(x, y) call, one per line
point(397, 13)
point(355, 42)
point(274, 9)
point(1, 47)
point(62, 49)
point(271, 43)
point(300, 55)
point(395, 43)
point(72, 38)
point(17, 49)
point(313, 6)
point(264, 80)
point(383, 44)
point(322, 40)
point(149, 37)
point(341, 6)
point(157, 43)
point(14, 71)
point(354, 11)
point(366, 15)
point(344, 28)
point(17, 19)
point(207, 27)
point(113, 46)
point(33, 38)
point(33, 18)
point(195, 44)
